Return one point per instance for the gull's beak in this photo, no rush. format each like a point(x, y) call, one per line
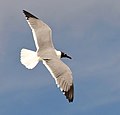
point(64, 55)
point(67, 56)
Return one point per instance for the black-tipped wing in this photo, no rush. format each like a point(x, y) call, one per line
point(29, 15)
point(62, 75)
point(42, 33)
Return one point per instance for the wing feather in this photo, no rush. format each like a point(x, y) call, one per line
point(42, 33)
point(62, 75)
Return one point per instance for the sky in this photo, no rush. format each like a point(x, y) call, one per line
point(87, 30)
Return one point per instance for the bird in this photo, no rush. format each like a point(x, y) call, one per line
point(50, 57)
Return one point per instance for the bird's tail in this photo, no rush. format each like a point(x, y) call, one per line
point(29, 58)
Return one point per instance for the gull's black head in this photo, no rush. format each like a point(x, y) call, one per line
point(64, 55)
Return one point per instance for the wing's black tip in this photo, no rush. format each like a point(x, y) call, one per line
point(29, 15)
point(70, 94)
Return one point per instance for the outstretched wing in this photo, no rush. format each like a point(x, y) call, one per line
point(42, 33)
point(62, 75)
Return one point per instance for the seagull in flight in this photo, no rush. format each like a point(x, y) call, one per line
point(46, 53)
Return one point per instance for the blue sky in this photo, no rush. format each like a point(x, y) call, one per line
point(89, 31)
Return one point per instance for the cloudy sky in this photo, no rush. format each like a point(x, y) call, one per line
point(88, 30)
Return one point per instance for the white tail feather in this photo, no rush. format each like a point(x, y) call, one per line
point(29, 58)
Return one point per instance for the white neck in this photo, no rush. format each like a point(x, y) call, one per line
point(58, 53)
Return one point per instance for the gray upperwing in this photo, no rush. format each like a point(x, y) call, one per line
point(41, 32)
point(62, 75)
